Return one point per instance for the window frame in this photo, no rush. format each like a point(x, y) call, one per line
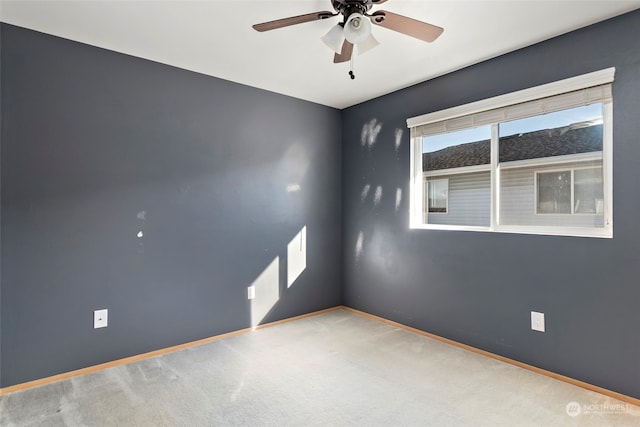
point(594, 79)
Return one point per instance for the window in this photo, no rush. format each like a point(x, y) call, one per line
point(554, 192)
point(536, 161)
point(587, 189)
point(461, 159)
point(437, 195)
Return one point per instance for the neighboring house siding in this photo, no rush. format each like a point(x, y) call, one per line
point(518, 199)
point(469, 200)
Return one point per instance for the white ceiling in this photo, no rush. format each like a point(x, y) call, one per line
point(215, 37)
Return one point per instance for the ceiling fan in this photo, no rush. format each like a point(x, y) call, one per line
point(355, 28)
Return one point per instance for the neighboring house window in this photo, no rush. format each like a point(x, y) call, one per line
point(437, 195)
point(588, 195)
point(576, 191)
point(536, 161)
point(554, 192)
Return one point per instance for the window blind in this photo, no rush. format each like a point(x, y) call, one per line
point(572, 92)
point(577, 98)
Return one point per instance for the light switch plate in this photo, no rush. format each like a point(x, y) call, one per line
point(100, 318)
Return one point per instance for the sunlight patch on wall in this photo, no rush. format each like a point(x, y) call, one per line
point(398, 199)
point(293, 188)
point(365, 192)
point(359, 243)
point(399, 133)
point(296, 256)
point(370, 132)
point(296, 161)
point(267, 292)
point(377, 197)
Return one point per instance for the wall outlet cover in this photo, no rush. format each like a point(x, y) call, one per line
point(100, 318)
point(537, 321)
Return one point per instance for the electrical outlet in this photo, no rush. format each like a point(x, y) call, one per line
point(100, 318)
point(251, 292)
point(537, 321)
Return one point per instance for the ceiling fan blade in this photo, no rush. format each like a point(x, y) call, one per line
point(409, 26)
point(293, 20)
point(345, 54)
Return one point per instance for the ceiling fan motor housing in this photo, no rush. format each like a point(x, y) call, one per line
point(348, 7)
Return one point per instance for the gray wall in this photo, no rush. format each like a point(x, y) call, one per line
point(98, 146)
point(476, 287)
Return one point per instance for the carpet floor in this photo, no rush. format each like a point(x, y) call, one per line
point(333, 369)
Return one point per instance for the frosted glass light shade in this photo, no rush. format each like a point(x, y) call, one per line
point(367, 45)
point(357, 29)
point(334, 38)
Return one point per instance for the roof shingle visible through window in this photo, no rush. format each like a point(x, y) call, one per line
point(574, 139)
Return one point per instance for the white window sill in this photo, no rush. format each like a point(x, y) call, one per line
point(604, 233)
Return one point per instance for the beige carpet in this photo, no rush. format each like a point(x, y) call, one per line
point(333, 369)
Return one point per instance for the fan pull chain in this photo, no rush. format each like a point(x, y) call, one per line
point(353, 76)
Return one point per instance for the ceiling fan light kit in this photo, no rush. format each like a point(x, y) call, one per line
point(356, 27)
